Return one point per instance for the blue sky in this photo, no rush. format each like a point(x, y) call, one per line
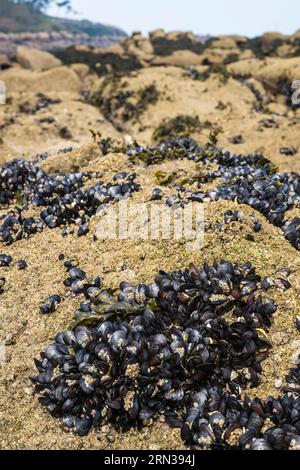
point(250, 17)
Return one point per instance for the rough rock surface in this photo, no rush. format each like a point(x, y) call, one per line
point(67, 118)
point(181, 49)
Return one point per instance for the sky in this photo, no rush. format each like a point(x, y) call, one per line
point(250, 17)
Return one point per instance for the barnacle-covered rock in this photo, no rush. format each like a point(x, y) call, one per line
point(188, 359)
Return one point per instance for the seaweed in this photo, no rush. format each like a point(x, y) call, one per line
point(181, 125)
point(125, 105)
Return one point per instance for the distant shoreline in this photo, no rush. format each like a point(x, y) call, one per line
point(52, 41)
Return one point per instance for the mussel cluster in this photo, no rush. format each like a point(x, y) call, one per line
point(77, 284)
point(5, 261)
point(63, 198)
point(249, 180)
point(196, 339)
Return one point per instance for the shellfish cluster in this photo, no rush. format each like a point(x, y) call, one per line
point(185, 348)
point(250, 180)
point(62, 199)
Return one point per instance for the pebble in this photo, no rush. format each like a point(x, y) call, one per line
point(22, 264)
point(296, 357)
point(9, 340)
point(278, 383)
point(105, 429)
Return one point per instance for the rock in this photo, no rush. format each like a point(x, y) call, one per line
point(175, 41)
point(285, 50)
point(60, 78)
point(82, 70)
point(146, 46)
point(6, 153)
point(114, 49)
point(4, 62)
point(296, 352)
point(183, 58)
point(246, 54)
point(224, 42)
point(36, 60)
point(137, 52)
point(139, 46)
point(296, 357)
point(105, 429)
point(270, 70)
point(157, 33)
point(295, 36)
point(55, 35)
point(67, 36)
point(43, 36)
point(52, 41)
point(137, 34)
point(239, 39)
point(270, 41)
point(28, 391)
point(277, 108)
point(281, 338)
point(214, 56)
point(113, 58)
point(9, 340)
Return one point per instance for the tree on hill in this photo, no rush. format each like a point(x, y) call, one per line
point(18, 16)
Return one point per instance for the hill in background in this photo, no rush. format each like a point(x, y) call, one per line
point(20, 18)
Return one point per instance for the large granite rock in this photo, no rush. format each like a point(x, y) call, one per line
point(104, 60)
point(271, 41)
point(139, 46)
point(35, 59)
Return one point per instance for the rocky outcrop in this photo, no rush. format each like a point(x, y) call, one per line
point(4, 62)
point(103, 60)
point(182, 49)
point(59, 78)
point(137, 51)
point(35, 59)
point(138, 45)
point(52, 42)
point(167, 43)
point(182, 58)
